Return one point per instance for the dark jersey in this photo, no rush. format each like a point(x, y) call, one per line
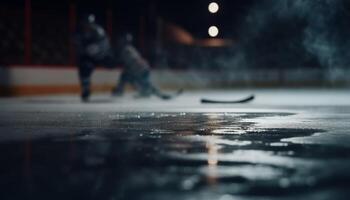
point(93, 43)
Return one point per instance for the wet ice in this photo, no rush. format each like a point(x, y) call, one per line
point(140, 155)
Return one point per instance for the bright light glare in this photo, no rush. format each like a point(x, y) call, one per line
point(213, 7)
point(213, 31)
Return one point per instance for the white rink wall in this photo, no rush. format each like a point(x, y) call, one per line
point(17, 76)
point(60, 77)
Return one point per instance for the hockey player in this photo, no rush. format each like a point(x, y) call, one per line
point(136, 71)
point(93, 48)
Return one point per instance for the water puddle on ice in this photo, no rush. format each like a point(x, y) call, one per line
point(177, 156)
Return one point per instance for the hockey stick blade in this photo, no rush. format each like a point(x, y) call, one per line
point(245, 100)
point(169, 97)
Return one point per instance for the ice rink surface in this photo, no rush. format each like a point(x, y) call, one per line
point(286, 144)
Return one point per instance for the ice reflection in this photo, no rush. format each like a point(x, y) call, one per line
point(233, 142)
point(161, 131)
point(229, 130)
point(169, 156)
point(279, 144)
point(212, 149)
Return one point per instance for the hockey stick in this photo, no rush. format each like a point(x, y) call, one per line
point(245, 100)
point(169, 96)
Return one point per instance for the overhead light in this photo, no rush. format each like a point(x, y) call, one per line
point(213, 7)
point(213, 31)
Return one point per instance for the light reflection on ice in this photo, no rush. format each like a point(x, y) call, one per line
point(238, 130)
point(212, 149)
point(251, 172)
point(161, 131)
point(221, 114)
point(219, 141)
point(233, 142)
point(228, 131)
point(279, 144)
point(248, 156)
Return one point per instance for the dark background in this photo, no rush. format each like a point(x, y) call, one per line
point(265, 33)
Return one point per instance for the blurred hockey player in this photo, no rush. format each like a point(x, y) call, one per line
point(93, 48)
point(136, 71)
